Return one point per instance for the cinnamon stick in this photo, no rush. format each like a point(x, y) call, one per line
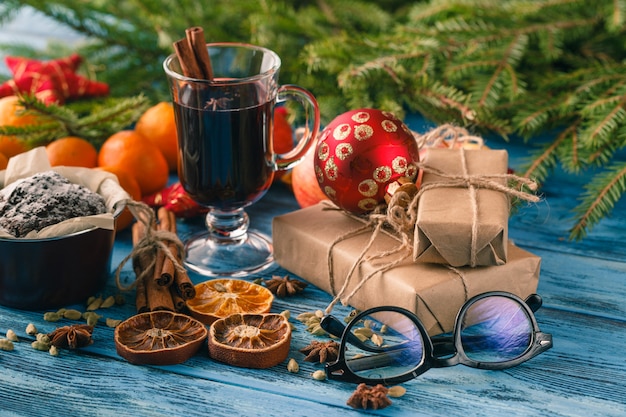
point(141, 298)
point(195, 36)
point(187, 59)
point(179, 304)
point(184, 286)
point(162, 276)
point(159, 297)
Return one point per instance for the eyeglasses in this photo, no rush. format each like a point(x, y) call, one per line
point(389, 345)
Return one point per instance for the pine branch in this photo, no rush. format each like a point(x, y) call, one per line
point(599, 199)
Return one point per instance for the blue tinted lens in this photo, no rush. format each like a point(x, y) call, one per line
point(495, 329)
point(386, 344)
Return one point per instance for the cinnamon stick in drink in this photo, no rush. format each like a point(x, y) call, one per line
point(195, 36)
point(193, 54)
point(187, 59)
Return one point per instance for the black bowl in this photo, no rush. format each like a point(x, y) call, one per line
point(38, 274)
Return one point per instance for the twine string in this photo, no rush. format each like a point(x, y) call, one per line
point(146, 248)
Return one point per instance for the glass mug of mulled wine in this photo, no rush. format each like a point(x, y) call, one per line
point(226, 160)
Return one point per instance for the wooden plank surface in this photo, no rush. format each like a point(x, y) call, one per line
point(584, 290)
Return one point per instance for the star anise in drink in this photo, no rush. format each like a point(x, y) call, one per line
point(71, 337)
point(284, 286)
point(366, 397)
point(321, 352)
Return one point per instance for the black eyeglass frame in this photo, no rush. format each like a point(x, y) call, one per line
point(438, 351)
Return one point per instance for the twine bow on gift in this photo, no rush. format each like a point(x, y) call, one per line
point(399, 215)
point(153, 241)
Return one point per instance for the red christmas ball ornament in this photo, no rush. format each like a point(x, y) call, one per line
point(359, 154)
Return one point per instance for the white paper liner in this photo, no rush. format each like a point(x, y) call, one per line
point(102, 182)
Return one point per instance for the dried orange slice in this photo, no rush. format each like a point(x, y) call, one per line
point(159, 338)
point(250, 340)
point(219, 298)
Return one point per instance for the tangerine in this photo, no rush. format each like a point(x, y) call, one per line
point(219, 298)
point(10, 116)
point(131, 186)
point(136, 155)
point(158, 126)
point(72, 151)
point(4, 161)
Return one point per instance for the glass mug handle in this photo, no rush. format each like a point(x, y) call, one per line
point(286, 92)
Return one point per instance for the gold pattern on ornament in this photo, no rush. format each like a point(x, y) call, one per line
point(389, 115)
point(330, 192)
point(368, 188)
point(361, 117)
point(363, 132)
point(411, 171)
point(367, 204)
point(323, 151)
point(330, 169)
point(406, 129)
point(399, 164)
point(382, 174)
point(389, 126)
point(342, 131)
point(319, 174)
point(343, 150)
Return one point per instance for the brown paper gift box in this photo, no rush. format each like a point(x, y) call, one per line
point(445, 216)
point(435, 292)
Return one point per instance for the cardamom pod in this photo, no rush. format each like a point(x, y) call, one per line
point(31, 329)
point(39, 345)
point(319, 375)
point(108, 302)
point(6, 344)
point(43, 338)
point(72, 314)
point(292, 366)
point(94, 304)
point(51, 316)
point(303, 317)
point(364, 331)
point(396, 391)
point(377, 339)
point(54, 351)
point(11, 336)
point(112, 322)
point(91, 317)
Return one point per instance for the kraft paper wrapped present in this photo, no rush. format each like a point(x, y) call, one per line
point(461, 219)
point(435, 292)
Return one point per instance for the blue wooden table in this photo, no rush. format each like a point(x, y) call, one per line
point(584, 290)
point(584, 374)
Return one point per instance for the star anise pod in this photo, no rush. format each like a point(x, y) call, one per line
point(321, 352)
point(71, 337)
point(284, 286)
point(367, 397)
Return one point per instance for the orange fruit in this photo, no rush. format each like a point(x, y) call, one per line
point(11, 146)
point(4, 161)
point(219, 298)
point(159, 338)
point(158, 126)
point(9, 108)
point(131, 186)
point(133, 153)
point(250, 340)
point(72, 151)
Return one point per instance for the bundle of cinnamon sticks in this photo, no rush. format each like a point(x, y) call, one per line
point(165, 287)
point(193, 55)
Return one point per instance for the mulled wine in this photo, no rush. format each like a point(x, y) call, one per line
point(222, 162)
